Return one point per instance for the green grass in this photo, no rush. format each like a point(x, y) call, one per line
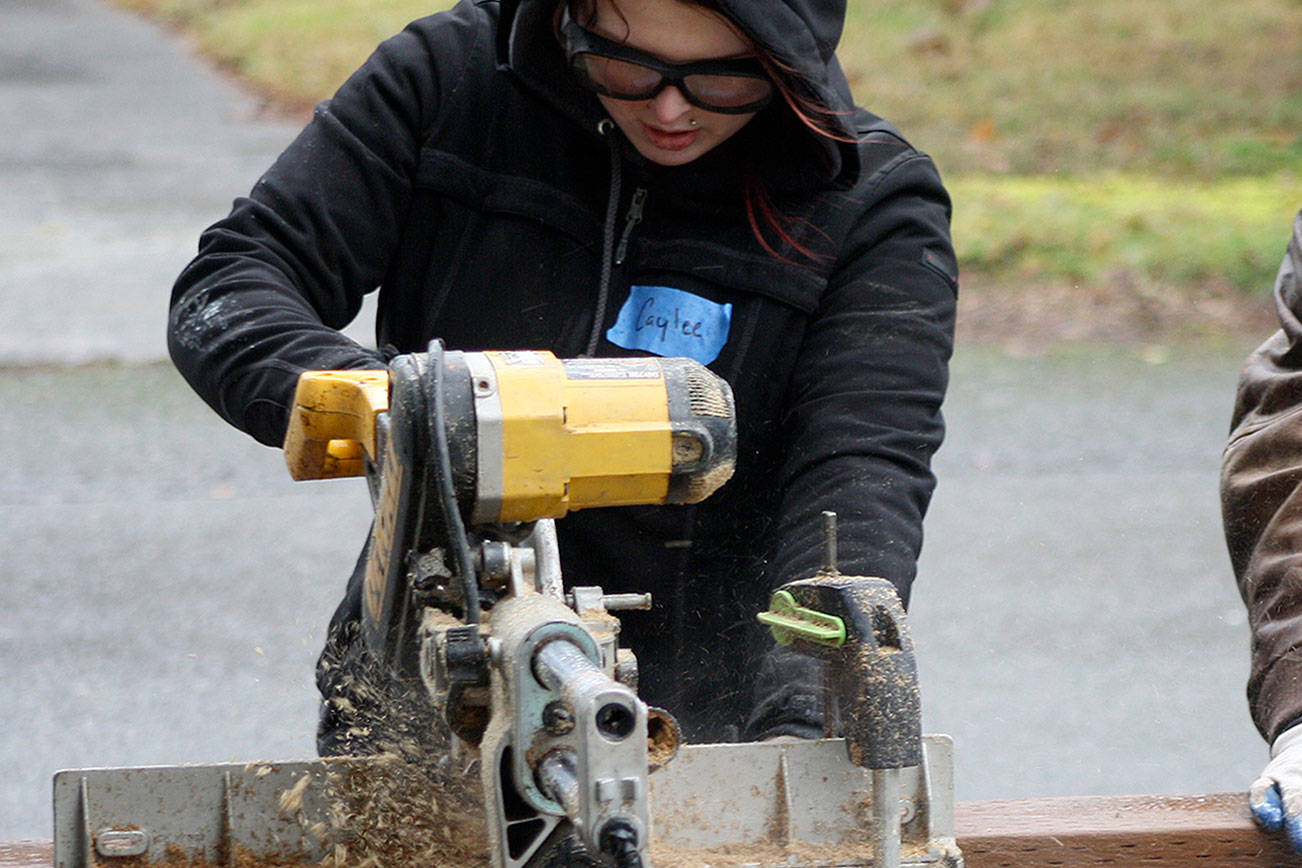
point(1159, 139)
point(1095, 228)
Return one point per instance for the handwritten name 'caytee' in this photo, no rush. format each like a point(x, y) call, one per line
point(648, 319)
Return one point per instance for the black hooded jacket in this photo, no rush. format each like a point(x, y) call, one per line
point(463, 174)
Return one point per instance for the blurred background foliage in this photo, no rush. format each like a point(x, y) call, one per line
point(1087, 143)
point(1175, 88)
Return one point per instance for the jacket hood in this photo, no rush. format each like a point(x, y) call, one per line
point(802, 35)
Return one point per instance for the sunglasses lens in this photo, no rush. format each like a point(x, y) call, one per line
point(728, 91)
point(618, 78)
point(617, 72)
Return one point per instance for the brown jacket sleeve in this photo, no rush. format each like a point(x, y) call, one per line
point(1261, 504)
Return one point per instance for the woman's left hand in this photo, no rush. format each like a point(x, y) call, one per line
point(1276, 796)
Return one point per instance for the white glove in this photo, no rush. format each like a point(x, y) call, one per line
point(1276, 796)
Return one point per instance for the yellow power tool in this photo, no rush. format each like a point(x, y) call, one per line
point(545, 436)
point(470, 456)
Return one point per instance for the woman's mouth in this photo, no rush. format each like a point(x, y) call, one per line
point(670, 140)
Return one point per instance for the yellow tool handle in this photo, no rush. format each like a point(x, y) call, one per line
point(332, 423)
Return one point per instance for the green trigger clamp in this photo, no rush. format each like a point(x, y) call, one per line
point(790, 622)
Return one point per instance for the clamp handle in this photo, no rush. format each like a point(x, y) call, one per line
point(332, 423)
point(791, 623)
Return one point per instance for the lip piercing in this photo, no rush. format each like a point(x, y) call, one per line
point(692, 121)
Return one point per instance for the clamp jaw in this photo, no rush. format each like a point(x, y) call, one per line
point(857, 627)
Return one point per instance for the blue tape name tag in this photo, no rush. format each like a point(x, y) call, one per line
point(671, 322)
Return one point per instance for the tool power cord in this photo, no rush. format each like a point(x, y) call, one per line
point(447, 494)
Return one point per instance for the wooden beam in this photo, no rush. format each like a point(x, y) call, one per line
point(1148, 831)
point(1212, 831)
point(26, 854)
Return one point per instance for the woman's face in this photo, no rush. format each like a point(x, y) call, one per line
point(667, 129)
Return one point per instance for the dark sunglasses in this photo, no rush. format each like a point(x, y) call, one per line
point(735, 87)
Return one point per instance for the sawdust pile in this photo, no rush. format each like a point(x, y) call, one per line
point(400, 813)
point(420, 802)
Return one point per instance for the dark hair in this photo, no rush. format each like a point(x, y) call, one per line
point(818, 118)
point(767, 222)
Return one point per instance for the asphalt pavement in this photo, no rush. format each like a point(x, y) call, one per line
point(164, 587)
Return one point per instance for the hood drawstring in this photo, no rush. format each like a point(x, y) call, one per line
point(607, 129)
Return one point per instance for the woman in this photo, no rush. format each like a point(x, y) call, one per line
point(518, 174)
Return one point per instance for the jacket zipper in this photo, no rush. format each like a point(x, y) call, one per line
point(634, 217)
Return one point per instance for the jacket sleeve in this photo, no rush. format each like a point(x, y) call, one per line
point(863, 416)
point(275, 280)
point(1261, 503)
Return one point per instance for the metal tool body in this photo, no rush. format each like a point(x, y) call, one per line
point(565, 741)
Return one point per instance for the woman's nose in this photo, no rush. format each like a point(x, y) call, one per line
point(669, 105)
